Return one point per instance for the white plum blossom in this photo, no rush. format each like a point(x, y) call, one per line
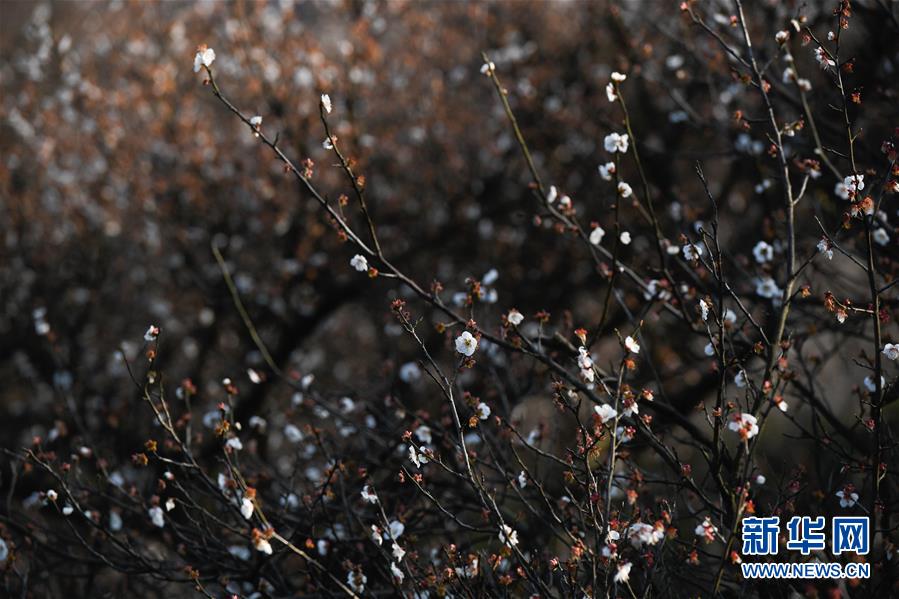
point(368, 495)
point(871, 386)
point(515, 317)
point(157, 516)
point(763, 252)
point(256, 121)
point(487, 68)
point(398, 552)
point(740, 380)
point(767, 288)
point(781, 36)
point(706, 530)
point(395, 529)
point(356, 580)
point(522, 480)
point(624, 190)
point(410, 372)
point(246, 508)
point(631, 344)
point(607, 170)
point(691, 252)
point(704, 309)
point(115, 521)
point(605, 412)
point(262, 545)
point(611, 94)
point(624, 572)
point(615, 142)
point(417, 456)
point(849, 186)
point(891, 351)
point(848, 497)
point(709, 350)
point(466, 344)
point(824, 247)
point(585, 363)
point(552, 195)
point(625, 238)
point(152, 333)
point(397, 573)
point(760, 479)
point(880, 236)
point(745, 425)
point(508, 536)
point(823, 60)
point(596, 235)
point(326, 103)
point(293, 433)
point(169, 504)
point(655, 289)
point(641, 534)
point(483, 411)
point(204, 58)
point(359, 263)
point(618, 77)
point(423, 434)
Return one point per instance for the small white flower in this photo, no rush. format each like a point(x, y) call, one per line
point(565, 202)
point(709, 350)
point(293, 433)
point(848, 498)
point(398, 552)
point(596, 235)
point(515, 317)
point(618, 77)
point(824, 247)
point(395, 529)
point(466, 344)
point(246, 508)
point(152, 333)
point(234, 443)
point(641, 534)
point(704, 309)
point(871, 386)
point(691, 252)
point(760, 479)
point(417, 457)
point(508, 536)
point(706, 530)
point(624, 190)
point(891, 351)
point(52, 495)
point(359, 263)
point(483, 411)
point(169, 504)
point(782, 36)
point(488, 68)
point(880, 236)
point(410, 372)
point(522, 480)
point(67, 510)
point(740, 379)
point(823, 60)
point(625, 238)
point(326, 103)
point(115, 522)
point(852, 185)
point(615, 142)
point(624, 572)
point(806, 86)
point(767, 288)
point(256, 121)
point(607, 170)
point(356, 581)
point(262, 545)
point(397, 573)
point(746, 425)
point(611, 94)
point(328, 144)
point(605, 412)
point(369, 495)
point(763, 252)
point(204, 58)
point(631, 344)
point(552, 195)
point(157, 516)
point(423, 434)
